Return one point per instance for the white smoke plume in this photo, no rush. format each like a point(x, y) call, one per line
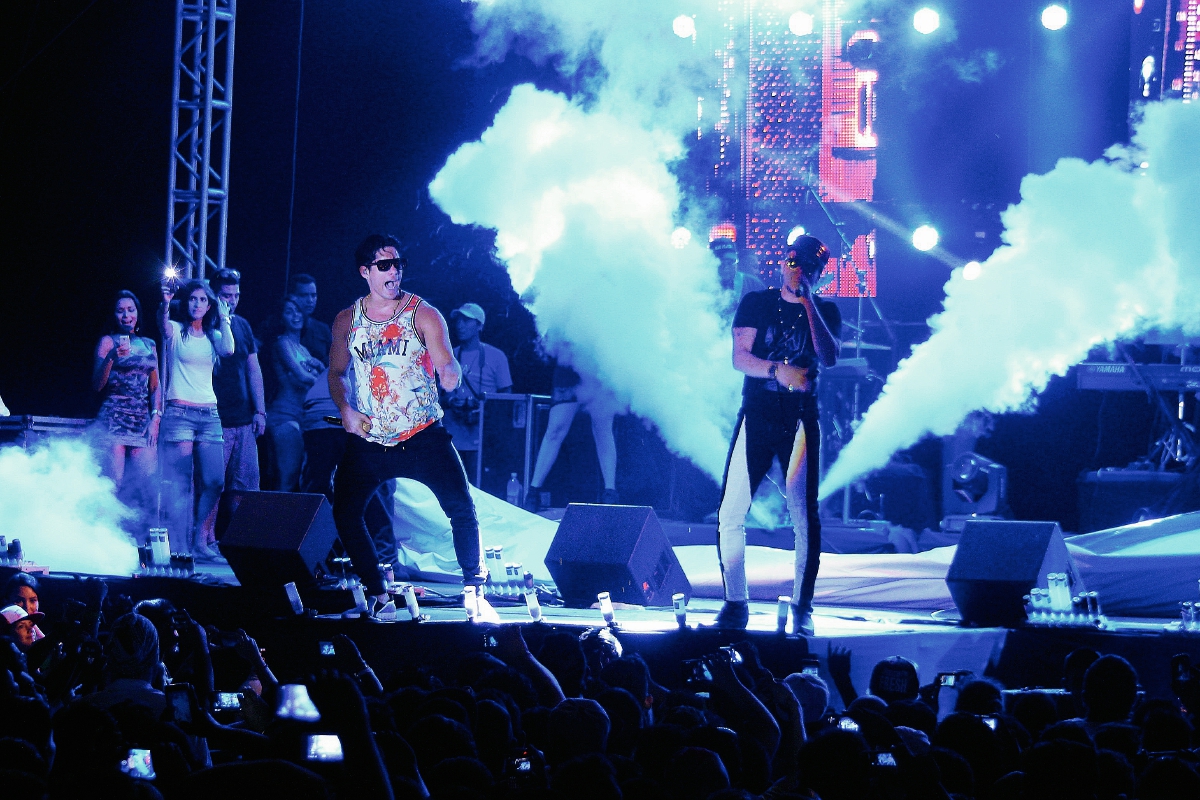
point(65, 512)
point(1092, 253)
point(581, 196)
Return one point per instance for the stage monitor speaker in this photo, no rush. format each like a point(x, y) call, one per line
point(621, 550)
point(277, 537)
point(996, 564)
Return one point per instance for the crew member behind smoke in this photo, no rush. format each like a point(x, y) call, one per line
point(737, 283)
point(780, 336)
point(238, 384)
point(296, 370)
point(485, 371)
point(570, 391)
point(191, 423)
point(125, 373)
point(398, 348)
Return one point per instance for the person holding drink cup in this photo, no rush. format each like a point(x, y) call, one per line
point(125, 373)
point(191, 424)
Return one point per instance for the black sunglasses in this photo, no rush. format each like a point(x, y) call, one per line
point(387, 264)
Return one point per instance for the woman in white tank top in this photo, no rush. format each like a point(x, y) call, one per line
point(191, 428)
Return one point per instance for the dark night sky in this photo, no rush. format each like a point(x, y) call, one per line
point(84, 147)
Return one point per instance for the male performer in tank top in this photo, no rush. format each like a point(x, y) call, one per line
point(780, 338)
point(399, 348)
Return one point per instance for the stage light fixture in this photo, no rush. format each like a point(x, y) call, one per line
point(925, 238)
point(794, 234)
point(978, 486)
point(801, 23)
point(684, 26)
point(972, 270)
point(680, 238)
point(926, 20)
point(1054, 17)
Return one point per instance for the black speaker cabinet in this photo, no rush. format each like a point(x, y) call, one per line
point(996, 564)
point(621, 550)
point(277, 537)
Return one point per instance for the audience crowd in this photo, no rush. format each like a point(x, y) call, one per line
point(105, 698)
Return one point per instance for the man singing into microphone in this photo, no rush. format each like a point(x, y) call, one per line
point(780, 336)
point(399, 348)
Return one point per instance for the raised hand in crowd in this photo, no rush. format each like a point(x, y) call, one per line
point(343, 710)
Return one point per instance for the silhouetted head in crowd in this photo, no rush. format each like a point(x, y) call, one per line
point(436, 738)
point(895, 678)
point(867, 702)
point(630, 674)
point(27, 718)
point(577, 726)
point(812, 693)
point(912, 714)
point(250, 780)
point(1120, 738)
point(1068, 730)
point(695, 772)
point(658, 745)
point(132, 648)
point(587, 777)
point(1060, 770)
point(835, 765)
point(454, 775)
point(1168, 778)
point(87, 741)
point(957, 777)
point(562, 654)
point(1165, 730)
point(1110, 688)
point(1075, 666)
point(725, 743)
point(969, 736)
point(159, 611)
point(980, 696)
point(1035, 711)
point(510, 682)
point(625, 716)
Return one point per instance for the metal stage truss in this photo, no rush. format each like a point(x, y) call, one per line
point(201, 109)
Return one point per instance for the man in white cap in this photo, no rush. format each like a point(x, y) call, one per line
point(484, 371)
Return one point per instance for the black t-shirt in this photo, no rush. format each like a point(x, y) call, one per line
point(782, 333)
point(231, 378)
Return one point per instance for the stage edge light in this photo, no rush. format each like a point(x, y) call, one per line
point(801, 23)
point(925, 238)
point(1054, 17)
point(794, 234)
point(680, 238)
point(684, 26)
point(926, 20)
point(972, 270)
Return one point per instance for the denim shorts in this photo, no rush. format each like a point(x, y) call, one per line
point(191, 424)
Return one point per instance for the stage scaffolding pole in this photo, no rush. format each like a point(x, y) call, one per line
point(201, 109)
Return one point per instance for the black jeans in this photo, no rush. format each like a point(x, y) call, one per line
point(429, 458)
point(323, 449)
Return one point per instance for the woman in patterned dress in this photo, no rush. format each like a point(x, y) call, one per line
point(126, 375)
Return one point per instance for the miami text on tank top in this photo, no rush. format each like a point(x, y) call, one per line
point(394, 376)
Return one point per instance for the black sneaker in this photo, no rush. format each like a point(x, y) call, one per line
point(734, 614)
point(610, 498)
point(802, 622)
point(533, 500)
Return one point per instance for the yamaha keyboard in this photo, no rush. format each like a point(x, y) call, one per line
point(1108, 377)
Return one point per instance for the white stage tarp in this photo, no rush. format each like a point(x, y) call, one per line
point(1138, 570)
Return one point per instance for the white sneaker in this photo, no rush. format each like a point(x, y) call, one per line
point(486, 613)
point(383, 612)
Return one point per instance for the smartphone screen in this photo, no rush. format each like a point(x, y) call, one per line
point(327, 649)
point(180, 703)
point(137, 764)
point(323, 747)
point(946, 680)
point(990, 722)
point(294, 703)
point(885, 759)
point(847, 724)
point(228, 701)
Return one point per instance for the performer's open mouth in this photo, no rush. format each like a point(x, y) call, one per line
point(391, 284)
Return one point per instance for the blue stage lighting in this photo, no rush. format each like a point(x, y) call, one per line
point(925, 238)
point(926, 20)
point(1054, 17)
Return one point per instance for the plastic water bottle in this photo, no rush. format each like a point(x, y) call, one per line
point(513, 493)
point(531, 598)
